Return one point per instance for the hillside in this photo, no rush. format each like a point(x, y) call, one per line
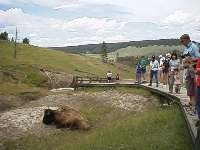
point(96, 48)
point(22, 79)
point(146, 51)
point(126, 53)
point(113, 113)
point(57, 61)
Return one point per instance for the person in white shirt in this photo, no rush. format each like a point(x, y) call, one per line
point(173, 64)
point(109, 76)
point(162, 59)
point(154, 66)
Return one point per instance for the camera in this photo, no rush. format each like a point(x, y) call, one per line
point(185, 55)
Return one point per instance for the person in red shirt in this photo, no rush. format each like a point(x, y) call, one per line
point(198, 91)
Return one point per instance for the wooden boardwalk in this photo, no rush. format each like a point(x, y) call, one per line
point(162, 90)
point(182, 99)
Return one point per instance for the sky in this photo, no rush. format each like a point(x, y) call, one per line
point(76, 22)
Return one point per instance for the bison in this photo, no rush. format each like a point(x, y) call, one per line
point(65, 118)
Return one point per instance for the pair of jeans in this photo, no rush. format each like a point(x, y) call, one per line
point(198, 101)
point(154, 73)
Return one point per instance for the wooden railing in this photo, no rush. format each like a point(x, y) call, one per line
point(78, 80)
point(179, 99)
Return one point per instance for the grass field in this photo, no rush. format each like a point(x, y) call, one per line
point(70, 63)
point(157, 128)
point(30, 58)
point(136, 51)
point(144, 51)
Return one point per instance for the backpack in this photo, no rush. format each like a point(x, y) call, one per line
point(166, 64)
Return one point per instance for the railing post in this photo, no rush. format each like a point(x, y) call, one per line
point(74, 83)
point(81, 81)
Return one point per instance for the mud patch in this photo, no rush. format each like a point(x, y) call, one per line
point(19, 122)
point(28, 119)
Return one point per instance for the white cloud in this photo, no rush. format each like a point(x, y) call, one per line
point(5, 2)
point(180, 18)
point(45, 31)
point(185, 22)
point(58, 32)
point(47, 3)
point(52, 3)
point(66, 6)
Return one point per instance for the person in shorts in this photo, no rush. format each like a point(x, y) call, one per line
point(177, 81)
point(109, 76)
point(117, 77)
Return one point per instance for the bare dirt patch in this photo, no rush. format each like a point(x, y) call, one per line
point(28, 119)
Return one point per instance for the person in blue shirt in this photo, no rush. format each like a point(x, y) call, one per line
point(190, 48)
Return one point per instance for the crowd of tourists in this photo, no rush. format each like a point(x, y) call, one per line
point(176, 72)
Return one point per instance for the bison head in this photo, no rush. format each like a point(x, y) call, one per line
point(48, 116)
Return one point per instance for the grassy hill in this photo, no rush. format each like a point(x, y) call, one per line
point(112, 128)
point(145, 51)
point(140, 51)
point(25, 69)
point(96, 48)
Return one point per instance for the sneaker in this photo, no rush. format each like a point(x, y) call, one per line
point(150, 85)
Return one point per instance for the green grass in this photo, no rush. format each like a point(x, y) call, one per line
point(70, 63)
point(112, 129)
point(25, 69)
point(161, 129)
point(144, 51)
point(136, 51)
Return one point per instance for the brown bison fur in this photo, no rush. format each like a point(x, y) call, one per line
point(65, 118)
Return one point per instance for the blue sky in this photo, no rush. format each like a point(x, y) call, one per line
point(75, 22)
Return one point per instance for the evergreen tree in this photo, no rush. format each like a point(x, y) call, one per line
point(4, 36)
point(12, 39)
point(104, 53)
point(117, 57)
point(26, 41)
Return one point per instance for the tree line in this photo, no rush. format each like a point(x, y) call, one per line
point(4, 36)
point(96, 48)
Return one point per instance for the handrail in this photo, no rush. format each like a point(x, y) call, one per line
point(194, 132)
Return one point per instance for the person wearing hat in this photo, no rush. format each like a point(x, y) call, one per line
point(154, 66)
point(190, 48)
point(193, 51)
